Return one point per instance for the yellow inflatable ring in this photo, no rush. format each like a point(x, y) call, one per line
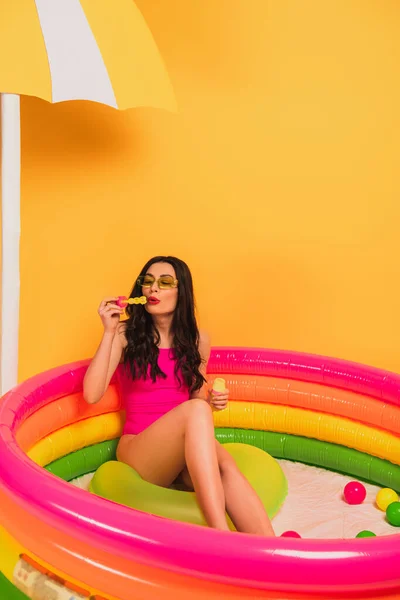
point(120, 483)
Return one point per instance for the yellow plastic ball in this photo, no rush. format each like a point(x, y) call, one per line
point(385, 497)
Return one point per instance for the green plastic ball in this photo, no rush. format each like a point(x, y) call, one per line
point(393, 514)
point(365, 533)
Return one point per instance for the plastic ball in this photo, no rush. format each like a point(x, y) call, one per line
point(354, 492)
point(365, 534)
point(292, 534)
point(393, 514)
point(385, 497)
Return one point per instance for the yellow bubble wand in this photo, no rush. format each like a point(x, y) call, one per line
point(123, 301)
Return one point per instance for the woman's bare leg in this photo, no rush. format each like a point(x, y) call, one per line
point(242, 502)
point(183, 436)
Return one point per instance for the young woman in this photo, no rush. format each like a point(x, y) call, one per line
point(169, 434)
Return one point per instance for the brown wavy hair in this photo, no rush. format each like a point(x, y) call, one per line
point(143, 338)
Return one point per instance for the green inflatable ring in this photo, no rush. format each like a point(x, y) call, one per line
point(120, 483)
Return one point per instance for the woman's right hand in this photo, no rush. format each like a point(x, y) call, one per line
point(109, 313)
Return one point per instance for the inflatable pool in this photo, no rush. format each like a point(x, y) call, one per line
point(331, 413)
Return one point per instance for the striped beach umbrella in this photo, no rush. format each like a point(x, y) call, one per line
point(59, 50)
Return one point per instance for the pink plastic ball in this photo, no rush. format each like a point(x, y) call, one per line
point(354, 492)
point(292, 534)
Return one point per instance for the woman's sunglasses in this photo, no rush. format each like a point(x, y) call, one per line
point(164, 283)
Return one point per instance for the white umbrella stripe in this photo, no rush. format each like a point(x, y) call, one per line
point(76, 65)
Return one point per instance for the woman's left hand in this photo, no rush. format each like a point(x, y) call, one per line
point(219, 400)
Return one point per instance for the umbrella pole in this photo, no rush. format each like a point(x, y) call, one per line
point(10, 225)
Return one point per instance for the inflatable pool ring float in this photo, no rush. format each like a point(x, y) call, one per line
point(120, 483)
point(327, 412)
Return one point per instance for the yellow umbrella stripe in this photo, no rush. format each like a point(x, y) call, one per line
point(79, 435)
point(132, 59)
point(311, 424)
point(24, 67)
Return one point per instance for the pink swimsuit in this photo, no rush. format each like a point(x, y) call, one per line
point(145, 401)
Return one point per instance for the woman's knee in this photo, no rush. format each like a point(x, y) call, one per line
point(198, 407)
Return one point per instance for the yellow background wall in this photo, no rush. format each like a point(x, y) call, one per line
point(277, 182)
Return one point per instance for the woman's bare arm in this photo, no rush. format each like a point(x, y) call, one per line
point(103, 365)
point(204, 349)
point(218, 400)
